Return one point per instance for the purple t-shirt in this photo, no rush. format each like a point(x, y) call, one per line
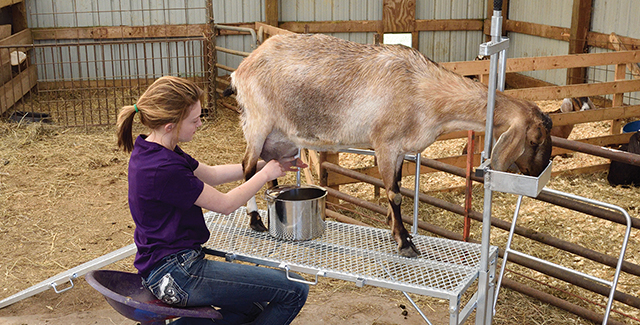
point(162, 193)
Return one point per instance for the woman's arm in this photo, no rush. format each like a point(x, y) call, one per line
point(225, 203)
point(216, 175)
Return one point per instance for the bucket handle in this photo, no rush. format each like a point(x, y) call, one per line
point(286, 268)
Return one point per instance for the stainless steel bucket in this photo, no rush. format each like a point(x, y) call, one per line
point(296, 212)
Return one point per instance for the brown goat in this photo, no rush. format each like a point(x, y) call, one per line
point(570, 105)
point(325, 93)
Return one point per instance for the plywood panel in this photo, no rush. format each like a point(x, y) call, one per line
point(399, 16)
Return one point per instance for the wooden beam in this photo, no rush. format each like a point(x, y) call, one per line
point(449, 25)
point(12, 91)
point(375, 26)
point(119, 32)
point(634, 68)
point(602, 40)
point(19, 38)
point(352, 26)
point(271, 30)
point(580, 24)
point(398, 16)
point(19, 16)
point(540, 30)
point(271, 12)
point(595, 115)
point(4, 3)
point(467, 68)
point(560, 92)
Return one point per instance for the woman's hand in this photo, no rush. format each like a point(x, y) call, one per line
point(279, 168)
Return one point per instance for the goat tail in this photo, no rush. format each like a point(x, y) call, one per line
point(229, 91)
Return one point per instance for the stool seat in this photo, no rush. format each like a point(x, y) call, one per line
point(126, 294)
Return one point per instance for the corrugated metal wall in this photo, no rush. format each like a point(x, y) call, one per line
point(547, 12)
point(620, 17)
point(439, 46)
point(608, 17)
point(456, 45)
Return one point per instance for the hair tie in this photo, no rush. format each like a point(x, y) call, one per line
point(136, 108)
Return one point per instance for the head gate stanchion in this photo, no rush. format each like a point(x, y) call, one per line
point(612, 284)
point(497, 50)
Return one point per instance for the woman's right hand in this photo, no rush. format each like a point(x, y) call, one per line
point(275, 168)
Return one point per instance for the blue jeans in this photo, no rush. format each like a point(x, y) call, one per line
point(244, 293)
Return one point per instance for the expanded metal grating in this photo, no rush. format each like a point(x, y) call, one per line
point(362, 254)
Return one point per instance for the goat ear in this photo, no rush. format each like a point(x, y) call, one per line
point(508, 148)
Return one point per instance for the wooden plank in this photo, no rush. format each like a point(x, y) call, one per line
point(634, 68)
point(19, 38)
point(620, 74)
point(602, 41)
point(374, 26)
point(19, 16)
point(4, 3)
point(119, 32)
point(5, 31)
point(271, 30)
point(595, 115)
point(271, 12)
point(467, 68)
point(13, 90)
point(540, 30)
point(560, 92)
point(352, 26)
point(449, 25)
point(580, 22)
point(398, 16)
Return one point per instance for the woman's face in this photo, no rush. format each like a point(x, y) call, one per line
point(190, 124)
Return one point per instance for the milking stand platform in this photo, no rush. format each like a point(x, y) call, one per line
point(364, 255)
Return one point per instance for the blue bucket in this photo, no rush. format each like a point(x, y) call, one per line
point(631, 127)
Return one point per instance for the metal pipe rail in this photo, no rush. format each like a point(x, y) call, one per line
point(543, 238)
point(612, 284)
point(613, 154)
point(240, 29)
point(544, 196)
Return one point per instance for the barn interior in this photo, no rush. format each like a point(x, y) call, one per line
point(68, 67)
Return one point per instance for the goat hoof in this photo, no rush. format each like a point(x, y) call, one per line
point(256, 222)
point(408, 249)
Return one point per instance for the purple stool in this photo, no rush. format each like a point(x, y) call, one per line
point(125, 293)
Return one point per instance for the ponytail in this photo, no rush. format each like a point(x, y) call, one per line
point(125, 127)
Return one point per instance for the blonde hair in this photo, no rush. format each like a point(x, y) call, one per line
point(167, 100)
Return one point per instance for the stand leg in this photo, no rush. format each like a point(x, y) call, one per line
point(506, 251)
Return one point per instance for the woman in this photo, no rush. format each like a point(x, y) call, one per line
point(167, 191)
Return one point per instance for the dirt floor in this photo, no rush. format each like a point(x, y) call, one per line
point(63, 202)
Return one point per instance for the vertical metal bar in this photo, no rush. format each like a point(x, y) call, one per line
point(127, 99)
point(298, 181)
point(416, 192)
point(79, 64)
point(507, 249)
point(484, 312)
point(468, 188)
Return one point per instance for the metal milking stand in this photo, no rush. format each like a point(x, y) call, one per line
point(520, 185)
point(496, 49)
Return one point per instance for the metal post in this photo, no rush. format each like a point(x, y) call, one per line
point(484, 312)
point(414, 227)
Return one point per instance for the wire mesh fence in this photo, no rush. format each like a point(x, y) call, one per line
point(90, 58)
